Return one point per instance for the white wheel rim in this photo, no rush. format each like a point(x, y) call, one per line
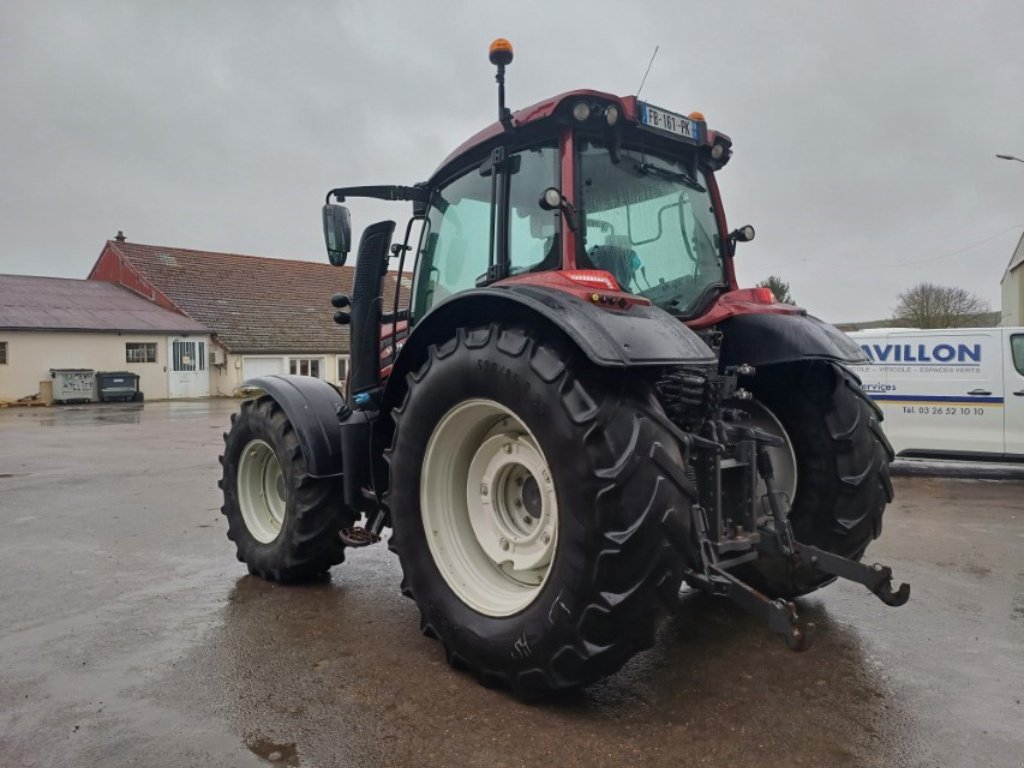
point(783, 458)
point(489, 509)
point(262, 497)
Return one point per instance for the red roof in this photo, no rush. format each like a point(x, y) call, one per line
point(59, 304)
point(253, 304)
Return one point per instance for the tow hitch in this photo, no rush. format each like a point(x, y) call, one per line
point(728, 542)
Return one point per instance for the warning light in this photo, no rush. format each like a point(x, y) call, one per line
point(696, 116)
point(501, 52)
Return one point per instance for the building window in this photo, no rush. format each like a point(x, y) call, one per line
point(3, 353)
point(342, 369)
point(305, 366)
point(140, 352)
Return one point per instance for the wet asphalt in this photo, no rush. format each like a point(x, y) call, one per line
point(130, 636)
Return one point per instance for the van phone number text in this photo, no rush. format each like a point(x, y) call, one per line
point(948, 410)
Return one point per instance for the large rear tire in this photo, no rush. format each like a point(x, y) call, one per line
point(284, 523)
point(498, 423)
point(842, 468)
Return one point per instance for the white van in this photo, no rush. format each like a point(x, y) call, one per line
point(948, 393)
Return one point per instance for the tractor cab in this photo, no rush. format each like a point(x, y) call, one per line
point(611, 192)
point(605, 197)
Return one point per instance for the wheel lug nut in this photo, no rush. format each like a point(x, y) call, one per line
point(504, 544)
point(507, 448)
point(483, 489)
point(546, 538)
point(518, 502)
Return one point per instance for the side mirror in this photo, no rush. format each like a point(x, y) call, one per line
point(337, 233)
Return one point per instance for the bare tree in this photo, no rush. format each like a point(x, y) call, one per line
point(928, 305)
point(779, 287)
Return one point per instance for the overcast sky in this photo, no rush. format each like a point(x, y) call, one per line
point(865, 133)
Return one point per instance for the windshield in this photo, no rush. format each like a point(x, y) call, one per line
point(651, 223)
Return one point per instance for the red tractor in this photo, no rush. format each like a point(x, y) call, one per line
point(577, 411)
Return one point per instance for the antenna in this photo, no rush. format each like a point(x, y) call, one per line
point(646, 73)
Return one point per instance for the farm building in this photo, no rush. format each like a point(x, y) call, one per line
point(54, 323)
point(266, 315)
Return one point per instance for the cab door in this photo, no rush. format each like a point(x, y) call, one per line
point(1013, 408)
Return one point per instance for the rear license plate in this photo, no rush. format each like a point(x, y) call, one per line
point(670, 122)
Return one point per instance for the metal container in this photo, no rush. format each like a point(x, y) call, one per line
point(117, 385)
point(73, 385)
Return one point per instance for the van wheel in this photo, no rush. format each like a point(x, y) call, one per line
point(841, 483)
point(284, 523)
point(539, 531)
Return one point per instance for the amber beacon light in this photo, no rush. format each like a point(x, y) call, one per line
point(501, 52)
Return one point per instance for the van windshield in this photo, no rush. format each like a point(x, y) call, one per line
point(651, 223)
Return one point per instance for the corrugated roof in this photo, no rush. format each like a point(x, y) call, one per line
point(252, 303)
point(59, 304)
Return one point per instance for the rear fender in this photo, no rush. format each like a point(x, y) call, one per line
point(639, 336)
point(768, 339)
point(311, 406)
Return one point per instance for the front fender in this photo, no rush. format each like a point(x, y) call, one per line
point(767, 339)
point(311, 406)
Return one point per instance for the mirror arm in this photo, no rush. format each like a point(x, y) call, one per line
point(418, 193)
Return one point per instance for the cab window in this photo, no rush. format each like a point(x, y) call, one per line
point(533, 233)
point(454, 245)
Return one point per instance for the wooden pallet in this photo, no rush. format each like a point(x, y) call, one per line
point(25, 402)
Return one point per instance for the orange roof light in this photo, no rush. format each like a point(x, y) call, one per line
point(696, 116)
point(501, 52)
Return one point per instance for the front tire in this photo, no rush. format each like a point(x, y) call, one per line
point(284, 523)
point(605, 537)
point(842, 469)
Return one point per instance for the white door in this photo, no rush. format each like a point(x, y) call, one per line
point(1013, 408)
point(253, 367)
point(187, 374)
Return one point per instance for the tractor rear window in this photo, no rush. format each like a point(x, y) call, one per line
point(651, 223)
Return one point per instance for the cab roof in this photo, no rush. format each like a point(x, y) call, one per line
point(543, 110)
point(532, 114)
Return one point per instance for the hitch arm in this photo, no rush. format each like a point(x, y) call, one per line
point(877, 577)
point(779, 615)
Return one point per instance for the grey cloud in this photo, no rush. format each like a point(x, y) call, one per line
point(865, 133)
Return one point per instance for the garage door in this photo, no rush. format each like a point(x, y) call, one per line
point(261, 366)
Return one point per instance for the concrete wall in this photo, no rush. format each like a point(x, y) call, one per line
point(31, 355)
point(1013, 298)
